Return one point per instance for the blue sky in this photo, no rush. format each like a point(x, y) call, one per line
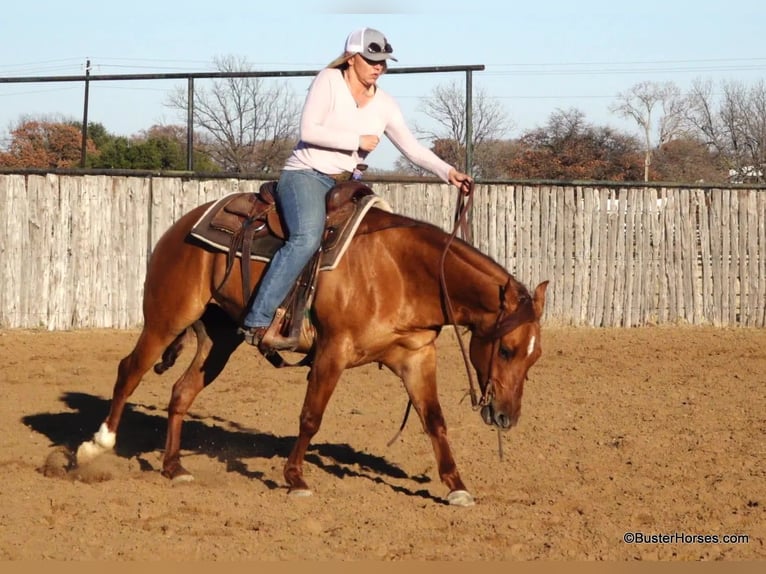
point(539, 56)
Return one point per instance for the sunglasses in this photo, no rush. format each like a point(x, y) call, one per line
point(373, 63)
point(375, 48)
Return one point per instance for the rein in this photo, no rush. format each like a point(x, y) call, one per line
point(462, 207)
point(503, 324)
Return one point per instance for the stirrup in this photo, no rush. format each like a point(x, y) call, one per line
point(253, 335)
point(278, 343)
point(269, 338)
point(273, 340)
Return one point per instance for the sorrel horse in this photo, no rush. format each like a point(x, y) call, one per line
point(385, 302)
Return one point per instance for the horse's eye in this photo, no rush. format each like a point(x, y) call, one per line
point(505, 353)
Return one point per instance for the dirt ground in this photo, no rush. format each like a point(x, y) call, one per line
point(651, 432)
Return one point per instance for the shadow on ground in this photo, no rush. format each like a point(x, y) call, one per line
point(144, 432)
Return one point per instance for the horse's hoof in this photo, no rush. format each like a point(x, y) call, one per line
point(460, 498)
point(88, 451)
point(300, 492)
point(182, 478)
point(102, 442)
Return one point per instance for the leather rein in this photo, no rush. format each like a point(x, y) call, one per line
point(504, 322)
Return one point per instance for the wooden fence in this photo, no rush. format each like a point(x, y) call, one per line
point(74, 248)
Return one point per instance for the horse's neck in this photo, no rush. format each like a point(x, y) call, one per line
point(473, 282)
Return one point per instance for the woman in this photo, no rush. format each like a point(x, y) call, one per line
point(344, 115)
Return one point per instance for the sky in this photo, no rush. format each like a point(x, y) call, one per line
point(539, 57)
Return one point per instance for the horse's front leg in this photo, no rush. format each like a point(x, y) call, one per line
point(322, 380)
point(417, 370)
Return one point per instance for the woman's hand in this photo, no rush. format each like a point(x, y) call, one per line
point(368, 142)
point(461, 180)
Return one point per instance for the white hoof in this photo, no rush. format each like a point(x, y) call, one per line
point(300, 493)
point(88, 451)
point(102, 442)
point(182, 478)
point(460, 498)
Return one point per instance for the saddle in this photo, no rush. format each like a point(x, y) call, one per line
point(248, 226)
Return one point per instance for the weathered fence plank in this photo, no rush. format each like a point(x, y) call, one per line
point(546, 255)
point(757, 314)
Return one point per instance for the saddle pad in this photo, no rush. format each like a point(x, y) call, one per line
point(263, 248)
point(332, 254)
point(219, 237)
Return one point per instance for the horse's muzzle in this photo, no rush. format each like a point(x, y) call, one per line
point(498, 418)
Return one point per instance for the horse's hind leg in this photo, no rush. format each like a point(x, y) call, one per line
point(217, 339)
point(149, 347)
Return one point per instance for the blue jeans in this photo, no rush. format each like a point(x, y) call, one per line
point(301, 201)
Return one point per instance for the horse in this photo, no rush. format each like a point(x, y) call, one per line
point(398, 284)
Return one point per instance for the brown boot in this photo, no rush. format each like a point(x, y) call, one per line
point(253, 335)
point(269, 338)
point(273, 340)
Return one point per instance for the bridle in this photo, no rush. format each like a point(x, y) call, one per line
point(504, 323)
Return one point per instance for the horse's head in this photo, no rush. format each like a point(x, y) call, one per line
point(503, 352)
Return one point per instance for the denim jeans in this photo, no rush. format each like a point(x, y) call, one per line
point(301, 201)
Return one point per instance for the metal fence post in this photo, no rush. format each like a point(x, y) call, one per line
point(84, 146)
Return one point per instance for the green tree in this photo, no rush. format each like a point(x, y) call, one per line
point(158, 148)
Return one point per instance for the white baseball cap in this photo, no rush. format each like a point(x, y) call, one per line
point(370, 43)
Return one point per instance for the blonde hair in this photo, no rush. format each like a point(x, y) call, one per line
point(341, 62)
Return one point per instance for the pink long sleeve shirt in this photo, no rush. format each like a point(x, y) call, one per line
point(332, 123)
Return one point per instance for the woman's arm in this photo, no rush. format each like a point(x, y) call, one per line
point(401, 136)
point(316, 110)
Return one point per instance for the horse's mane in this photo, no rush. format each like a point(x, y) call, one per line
point(468, 259)
point(378, 220)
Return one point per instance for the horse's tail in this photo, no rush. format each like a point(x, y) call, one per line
point(170, 354)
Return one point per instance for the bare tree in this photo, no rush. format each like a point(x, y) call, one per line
point(755, 125)
point(700, 117)
point(247, 124)
point(639, 103)
point(735, 126)
point(446, 106)
point(743, 117)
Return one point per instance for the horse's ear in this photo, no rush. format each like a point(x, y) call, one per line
point(539, 299)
